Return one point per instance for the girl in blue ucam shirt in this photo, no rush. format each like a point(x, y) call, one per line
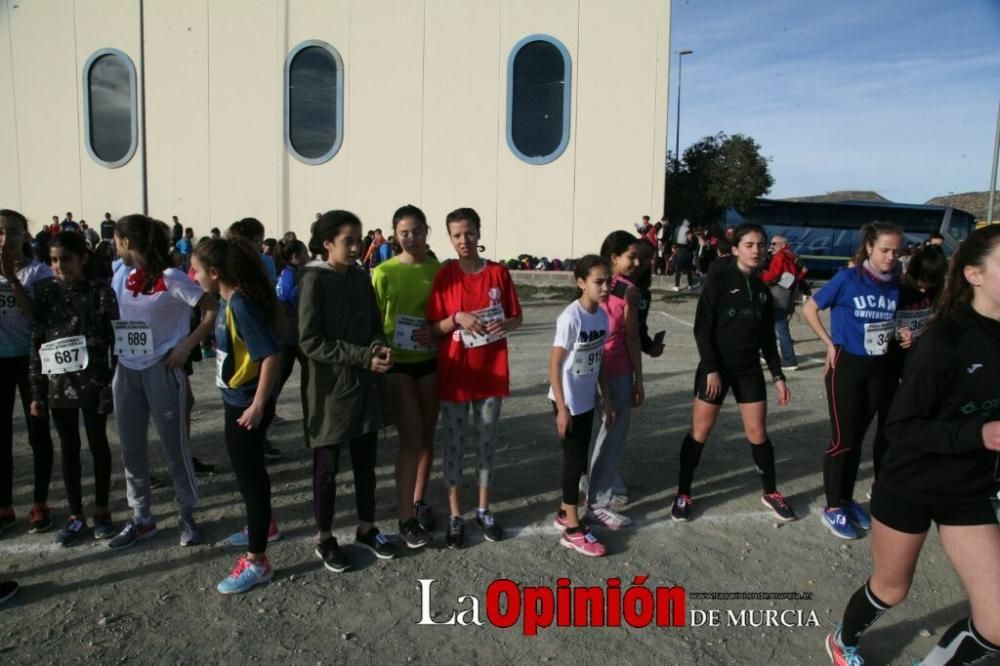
point(862, 300)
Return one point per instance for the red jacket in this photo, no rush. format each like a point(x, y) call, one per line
point(784, 261)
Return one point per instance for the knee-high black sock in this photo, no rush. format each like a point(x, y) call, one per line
point(763, 458)
point(962, 644)
point(690, 455)
point(862, 611)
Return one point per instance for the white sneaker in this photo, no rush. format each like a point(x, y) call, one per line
point(605, 517)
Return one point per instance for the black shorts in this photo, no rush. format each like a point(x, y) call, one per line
point(912, 517)
point(416, 370)
point(748, 386)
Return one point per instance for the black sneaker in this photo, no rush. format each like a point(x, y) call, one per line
point(103, 527)
point(134, 531)
point(8, 588)
point(489, 526)
point(455, 538)
point(776, 502)
point(271, 453)
point(425, 515)
point(201, 468)
point(413, 533)
point(68, 535)
point(681, 511)
point(155, 482)
point(333, 557)
point(7, 521)
point(376, 542)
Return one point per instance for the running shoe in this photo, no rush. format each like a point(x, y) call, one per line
point(7, 521)
point(455, 537)
point(857, 515)
point(277, 421)
point(155, 482)
point(71, 532)
point(8, 588)
point(245, 575)
point(776, 503)
point(789, 368)
point(425, 515)
point(201, 468)
point(40, 518)
point(241, 539)
point(103, 527)
point(488, 524)
point(619, 502)
point(333, 557)
point(376, 542)
point(413, 533)
point(840, 654)
point(134, 530)
point(190, 534)
point(604, 517)
point(836, 521)
point(583, 542)
point(560, 522)
point(271, 453)
point(681, 510)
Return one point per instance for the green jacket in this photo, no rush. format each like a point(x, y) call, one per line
point(339, 324)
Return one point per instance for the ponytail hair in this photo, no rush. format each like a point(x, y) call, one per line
point(583, 266)
point(239, 265)
point(972, 252)
point(328, 227)
point(72, 242)
point(617, 242)
point(150, 239)
point(870, 233)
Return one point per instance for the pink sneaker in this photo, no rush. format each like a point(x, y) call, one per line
point(559, 522)
point(583, 542)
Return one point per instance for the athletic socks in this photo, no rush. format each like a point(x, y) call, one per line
point(763, 458)
point(690, 455)
point(862, 611)
point(962, 644)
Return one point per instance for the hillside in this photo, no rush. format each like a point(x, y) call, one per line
point(844, 195)
point(971, 202)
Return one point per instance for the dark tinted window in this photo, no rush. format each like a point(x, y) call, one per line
point(538, 104)
point(313, 102)
point(111, 108)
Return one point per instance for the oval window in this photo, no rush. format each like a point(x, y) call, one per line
point(314, 102)
point(538, 99)
point(110, 107)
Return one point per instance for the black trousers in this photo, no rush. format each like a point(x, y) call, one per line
point(326, 464)
point(14, 377)
point(246, 455)
point(67, 423)
point(575, 446)
point(856, 388)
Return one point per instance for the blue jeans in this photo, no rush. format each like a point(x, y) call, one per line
point(784, 337)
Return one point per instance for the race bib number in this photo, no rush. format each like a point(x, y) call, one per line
point(406, 328)
point(220, 362)
point(64, 355)
point(8, 304)
point(915, 320)
point(132, 338)
point(877, 337)
point(587, 357)
point(486, 316)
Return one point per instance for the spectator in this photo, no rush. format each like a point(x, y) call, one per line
point(185, 246)
point(92, 238)
point(177, 231)
point(214, 233)
point(107, 228)
point(68, 224)
point(934, 238)
point(782, 275)
point(683, 259)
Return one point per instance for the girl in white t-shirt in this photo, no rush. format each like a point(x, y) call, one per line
point(575, 371)
point(152, 341)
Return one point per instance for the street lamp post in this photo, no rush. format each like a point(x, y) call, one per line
point(677, 129)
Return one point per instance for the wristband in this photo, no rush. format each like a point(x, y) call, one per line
point(778, 378)
point(454, 322)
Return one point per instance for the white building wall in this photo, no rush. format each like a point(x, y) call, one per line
point(424, 116)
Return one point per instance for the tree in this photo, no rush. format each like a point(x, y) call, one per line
point(717, 173)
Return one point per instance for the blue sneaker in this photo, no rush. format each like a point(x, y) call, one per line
point(241, 539)
point(836, 521)
point(245, 576)
point(68, 535)
point(857, 515)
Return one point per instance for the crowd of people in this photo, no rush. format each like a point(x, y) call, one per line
point(383, 332)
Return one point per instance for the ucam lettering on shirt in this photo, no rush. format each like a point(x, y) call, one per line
point(865, 303)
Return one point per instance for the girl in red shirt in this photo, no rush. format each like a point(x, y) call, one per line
point(473, 306)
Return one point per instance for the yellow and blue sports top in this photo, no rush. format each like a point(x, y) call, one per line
point(243, 338)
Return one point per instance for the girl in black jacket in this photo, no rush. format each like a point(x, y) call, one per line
point(943, 465)
point(733, 324)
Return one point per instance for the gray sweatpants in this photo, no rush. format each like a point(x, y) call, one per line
point(160, 393)
point(609, 446)
point(485, 414)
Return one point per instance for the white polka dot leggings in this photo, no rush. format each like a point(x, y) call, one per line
point(455, 416)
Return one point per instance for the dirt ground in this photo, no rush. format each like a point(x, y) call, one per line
point(156, 603)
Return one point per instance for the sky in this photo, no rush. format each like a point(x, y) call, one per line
point(895, 96)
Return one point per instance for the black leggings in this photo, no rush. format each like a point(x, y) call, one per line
point(289, 353)
point(15, 377)
point(246, 455)
point(575, 447)
point(326, 463)
point(67, 423)
point(856, 388)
